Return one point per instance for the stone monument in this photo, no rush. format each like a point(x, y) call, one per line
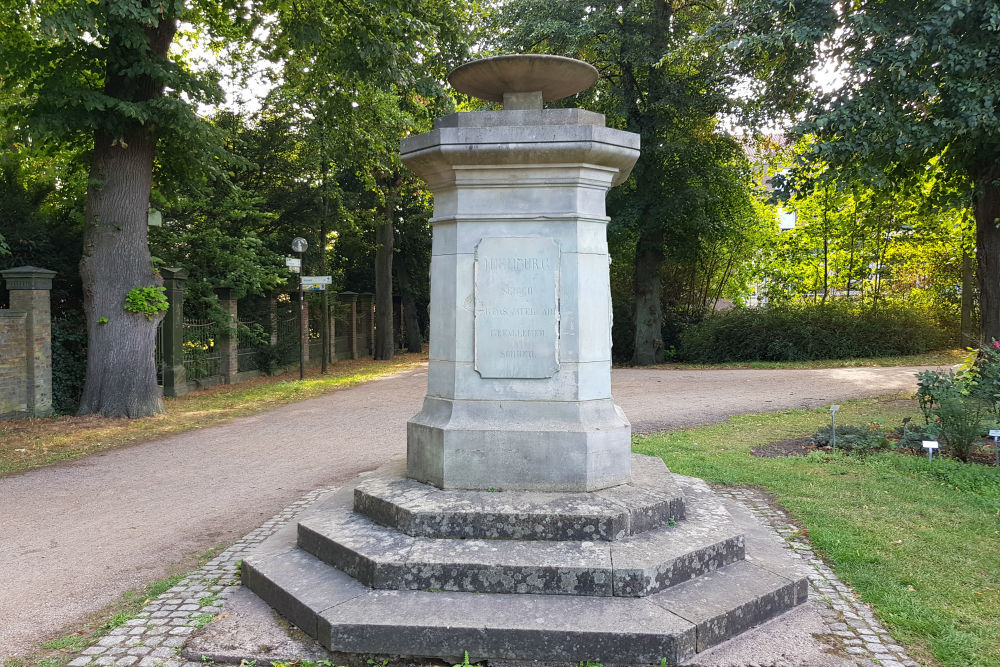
point(519, 388)
point(521, 526)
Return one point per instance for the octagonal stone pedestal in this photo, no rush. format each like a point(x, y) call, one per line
point(648, 572)
point(585, 551)
point(519, 383)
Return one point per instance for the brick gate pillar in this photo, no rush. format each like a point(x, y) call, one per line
point(30, 291)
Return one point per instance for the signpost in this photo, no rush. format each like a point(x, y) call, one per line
point(995, 433)
point(930, 446)
point(300, 245)
point(317, 280)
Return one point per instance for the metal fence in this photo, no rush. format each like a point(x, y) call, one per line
point(202, 353)
point(251, 336)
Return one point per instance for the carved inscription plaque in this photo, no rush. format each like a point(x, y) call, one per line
point(517, 307)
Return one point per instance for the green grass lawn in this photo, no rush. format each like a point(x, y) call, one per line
point(919, 541)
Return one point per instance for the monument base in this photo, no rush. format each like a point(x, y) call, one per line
point(650, 571)
point(574, 446)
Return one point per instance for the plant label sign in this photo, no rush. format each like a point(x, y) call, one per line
point(995, 432)
point(930, 446)
point(316, 280)
point(834, 408)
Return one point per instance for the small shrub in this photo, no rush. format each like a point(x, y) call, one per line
point(859, 440)
point(959, 403)
point(268, 359)
point(913, 436)
point(960, 423)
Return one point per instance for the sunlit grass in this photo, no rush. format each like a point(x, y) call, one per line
point(918, 541)
point(30, 443)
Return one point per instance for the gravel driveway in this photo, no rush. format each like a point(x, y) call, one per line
point(75, 536)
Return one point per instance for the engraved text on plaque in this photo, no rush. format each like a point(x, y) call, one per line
point(517, 307)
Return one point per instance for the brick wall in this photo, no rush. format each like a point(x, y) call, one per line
point(13, 364)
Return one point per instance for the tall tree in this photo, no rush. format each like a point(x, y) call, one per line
point(366, 74)
point(917, 80)
point(104, 68)
point(664, 78)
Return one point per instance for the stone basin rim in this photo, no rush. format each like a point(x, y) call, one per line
point(555, 77)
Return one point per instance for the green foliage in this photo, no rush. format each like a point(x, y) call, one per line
point(900, 246)
point(861, 440)
point(804, 332)
point(69, 361)
point(883, 522)
point(959, 422)
point(918, 79)
point(148, 301)
point(957, 405)
point(268, 358)
point(685, 226)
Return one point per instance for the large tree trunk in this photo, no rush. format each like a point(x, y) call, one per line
point(414, 341)
point(986, 205)
point(385, 346)
point(121, 366)
point(648, 297)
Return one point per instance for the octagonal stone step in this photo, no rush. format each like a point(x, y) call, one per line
point(634, 566)
point(652, 499)
point(344, 615)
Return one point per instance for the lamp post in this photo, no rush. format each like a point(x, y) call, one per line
point(299, 245)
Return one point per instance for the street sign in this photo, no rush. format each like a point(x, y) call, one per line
point(316, 280)
point(315, 287)
point(294, 264)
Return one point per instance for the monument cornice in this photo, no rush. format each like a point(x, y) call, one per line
point(429, 153)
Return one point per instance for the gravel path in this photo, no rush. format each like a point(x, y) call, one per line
point(74, 536)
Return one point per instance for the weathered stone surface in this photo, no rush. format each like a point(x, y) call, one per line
point(551, 77)
point(298, 586)
point(706, 540)
point(541, 627)
point(523, 185)
point(517, 307)
point(374, 555)
point(632, 566)
point(650, 500)
point(347, 616)
point(726, 602)
point(509, 566)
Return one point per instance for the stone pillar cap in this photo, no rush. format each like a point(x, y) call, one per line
point(553, 77)
point(26, 271)
point(174, 273)
point(28, 277)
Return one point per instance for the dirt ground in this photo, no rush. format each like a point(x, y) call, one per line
point(75, 536)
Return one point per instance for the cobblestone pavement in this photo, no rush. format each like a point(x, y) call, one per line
point(849, 619)
point(155, 636)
